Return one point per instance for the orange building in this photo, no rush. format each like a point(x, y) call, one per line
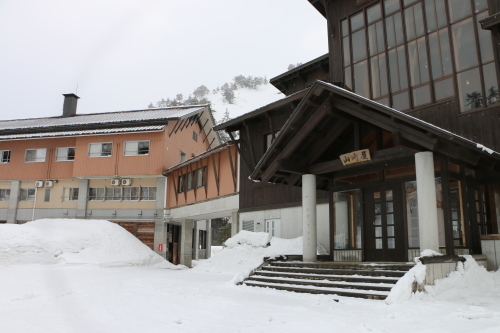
point(98, 166)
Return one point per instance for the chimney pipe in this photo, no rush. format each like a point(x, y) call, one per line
point(69, 106)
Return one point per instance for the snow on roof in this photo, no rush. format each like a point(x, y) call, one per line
point(109, 117)
point(83, 132)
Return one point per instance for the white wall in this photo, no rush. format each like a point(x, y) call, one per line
point(291, 222)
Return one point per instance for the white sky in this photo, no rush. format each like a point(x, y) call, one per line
point(123, 54)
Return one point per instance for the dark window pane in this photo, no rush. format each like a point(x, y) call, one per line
point(439, 45)
point(357, 21)
point(345, 28)
point(485, 43)
point(373, 13)
point(464, 44)
point(400, 101)
point(421, 95)
point(106, 149)
point(346, 50)
point(391, 6)
point(391, 35)
point(358, 46)
point(459, 9)
point(409, 2)
point(469, 90)
point(348, 78)
point(414, 66)
point(491, 84)
point(361, 83)
point(435, 13)
point(414, 22)
point(398, 23)
point(480, 5)
point(376, 38)
point(422, 60)
point(443, 89)
point(397, 66)
point(379, 76)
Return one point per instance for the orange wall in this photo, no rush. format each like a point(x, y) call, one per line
point(18, 169)
point(209, 191)
point(164, 153)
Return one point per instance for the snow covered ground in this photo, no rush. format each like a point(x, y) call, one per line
point(88, 276)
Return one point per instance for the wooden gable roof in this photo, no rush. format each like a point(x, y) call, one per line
point(329, 115)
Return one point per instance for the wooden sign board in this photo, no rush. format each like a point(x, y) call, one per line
point(356, 157)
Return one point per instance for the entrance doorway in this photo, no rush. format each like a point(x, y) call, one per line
point(273, 227)
point(384, 224)
point(173, 243)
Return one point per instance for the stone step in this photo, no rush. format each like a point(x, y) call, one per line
point(378, 295)
point(306, 270)
point(337, 265)
point(329, 277)
point(322, 283)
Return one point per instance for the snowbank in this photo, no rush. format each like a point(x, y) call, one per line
point(469, 280)
point(246, 251)
point(56, 241)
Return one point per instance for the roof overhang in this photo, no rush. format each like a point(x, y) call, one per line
point(326, 111)
point(318, 4)
point(491, 22)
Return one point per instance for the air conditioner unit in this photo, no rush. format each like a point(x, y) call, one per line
point(39, 183)
point(49, 183)
point(115, 182)
point(126, 182)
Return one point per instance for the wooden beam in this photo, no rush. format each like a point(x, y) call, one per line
point(323, 145)
point(210, 145)
point(381, 156)
point(233, 169)
point(206, 137)
point(245, 161)
point(401, 142)
point(216, 175)
point(202, 127)
point(250, 143)
point(173, 128)
point(182, 124)
point(292, 167)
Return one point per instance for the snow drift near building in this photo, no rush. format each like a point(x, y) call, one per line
point(72, 241)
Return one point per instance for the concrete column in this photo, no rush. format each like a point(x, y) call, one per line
point(186, 251)
point(235, 223)
point(161, 195)
point(196, 237)
point(209, 239)
point(309, 228)
point(160, 236)
point(83, 196)
point(15, 185)
point(426, 195)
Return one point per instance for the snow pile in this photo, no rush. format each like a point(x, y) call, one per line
point(430, 253)
point(56, 241)
point(246, 251)
point(248, 237)
point(469, 280)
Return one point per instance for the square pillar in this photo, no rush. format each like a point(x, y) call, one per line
point(426, 196)
point(309, 223)
point(235, 223)
point(15, 186)
point(196, 245)
point(83, 194)
point(186, 251)
point(209, 239)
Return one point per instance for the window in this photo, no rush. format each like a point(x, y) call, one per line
point(27, 194)
point(195, 136)
point(5, 156)
point(4, 194)
point(442, 52)
point(73, 193)
point(35, 155)
point(113, 193)
point(135, 148)
point(182, 156)
point(192, 180)
point(65, 154)
point(100, 149)
point(46, 196)
point(96, 193)
point(148, 193)
point(130, 193)
point(121, 193)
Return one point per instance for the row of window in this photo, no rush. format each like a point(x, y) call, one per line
point(100, 149)
point(192, 180)
point(95, 194)
point(413, 51)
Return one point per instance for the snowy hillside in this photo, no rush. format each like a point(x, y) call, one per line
point(245, 100)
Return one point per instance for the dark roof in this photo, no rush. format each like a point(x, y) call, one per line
point(301, 121)
point(318, 4)
point(300, 70)
point(491, 22)
point(233, 124)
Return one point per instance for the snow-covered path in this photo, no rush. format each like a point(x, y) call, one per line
point(84, 298)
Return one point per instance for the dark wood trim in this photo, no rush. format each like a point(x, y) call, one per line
point(446, 205)
point(206, 136)
point(233, 170)
point(280, 206)
point(331, 217)
point(245, 161)
point(216, 175)
point(176, 188)
point(211, 143)
point(202, 127)
point(250, 143)
point(173, 128)
point(183, 122)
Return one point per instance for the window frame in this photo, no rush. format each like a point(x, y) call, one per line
point(137, 153)
point(89, 155)
point(67, 154)
point(4, 194)
point(5, 159)
point(36, 158)
point(27, 194)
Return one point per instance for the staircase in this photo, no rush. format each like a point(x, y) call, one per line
point(362, 280)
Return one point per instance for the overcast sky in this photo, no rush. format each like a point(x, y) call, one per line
point(123, 54)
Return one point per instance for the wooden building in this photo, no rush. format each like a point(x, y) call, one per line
point(409, 82)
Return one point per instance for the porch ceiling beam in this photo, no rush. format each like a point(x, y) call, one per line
point(292, 167)
point(382, 156)
point(324, 144)
point(243, 157)
point(401, 142)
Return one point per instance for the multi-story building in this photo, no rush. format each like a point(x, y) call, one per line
point(378, 150)
point(98, 166)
